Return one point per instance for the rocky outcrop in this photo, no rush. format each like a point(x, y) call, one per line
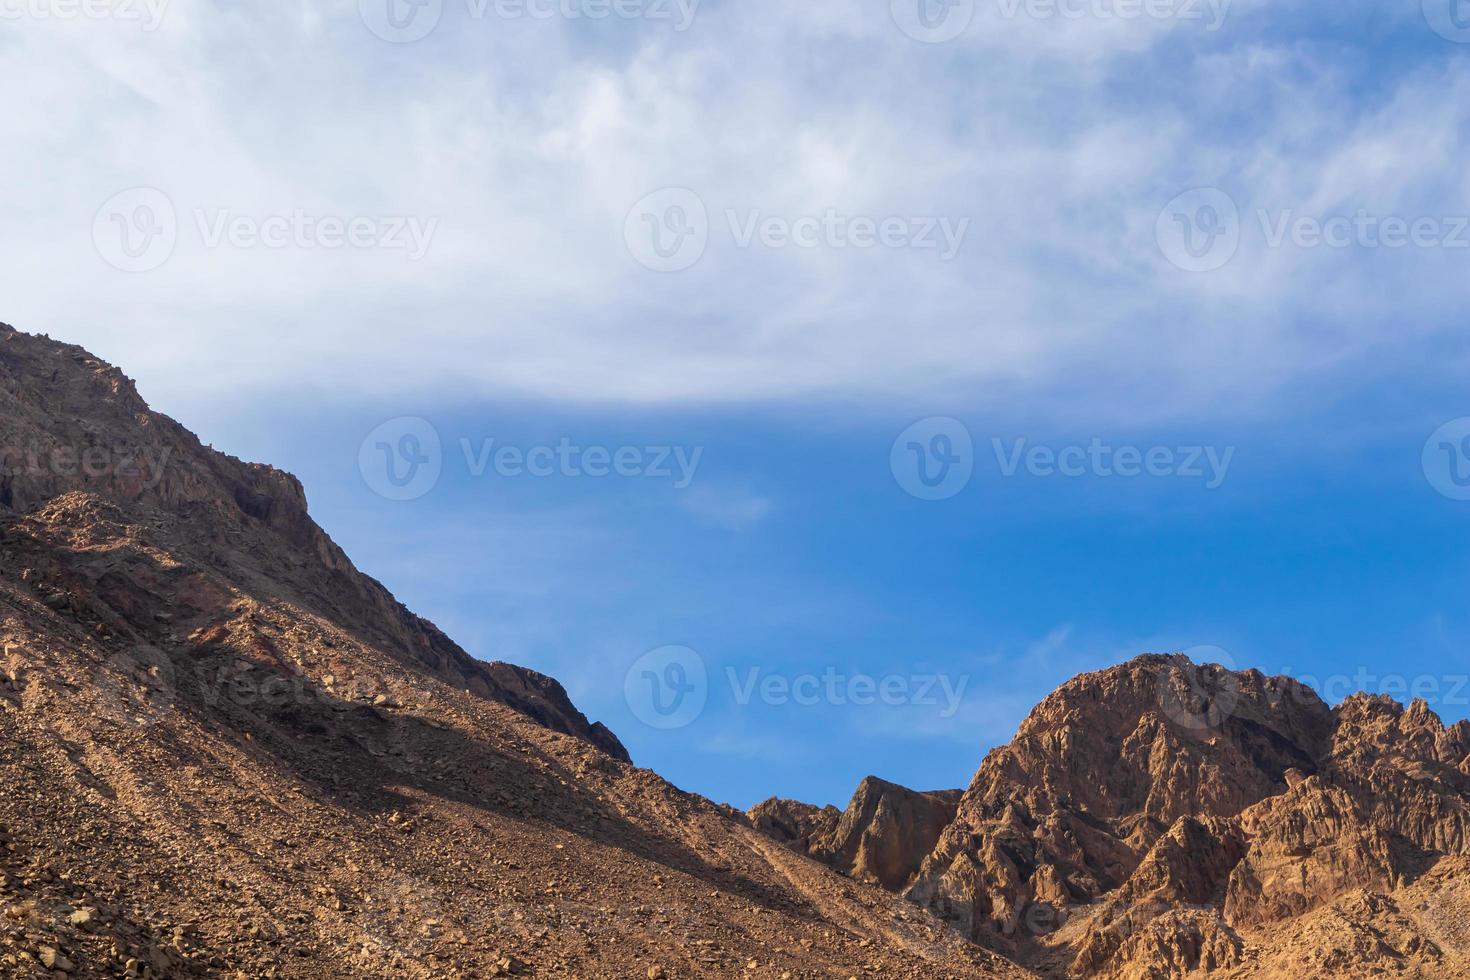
point(885, 832)
point(225, 752)
point(1153, 819)
point(78, 446)
point(882, 836)
point(1390, 799)
point(793, 823)
point(1101, 770)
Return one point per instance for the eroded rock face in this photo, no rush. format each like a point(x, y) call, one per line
point(793, 823)
point(1160, 818)
point(1101, 770)
point(885, 832)
point(881, 838)
point(1391, 798)
point(81, 454)
point(225, 752)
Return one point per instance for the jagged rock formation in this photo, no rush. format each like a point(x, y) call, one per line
point(1162, 817)
point(225, 752)
point(1100, 771)
point(882, 837)
point(78, 440)
point(793, 823)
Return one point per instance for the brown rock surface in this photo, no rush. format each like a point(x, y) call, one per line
point(793, 823)
point(882, 837)
point(251, 761)
point(1162, 819)
point(226, 752)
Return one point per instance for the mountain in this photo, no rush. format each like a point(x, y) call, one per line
point(226, 752)
point(1164, 819)
point(880, 838)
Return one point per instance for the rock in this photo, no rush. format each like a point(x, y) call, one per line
point(886, 832)
point(51, 959)
point(792, 823)
point(1099, 771)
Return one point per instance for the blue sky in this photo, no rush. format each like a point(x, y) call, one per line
point(1242, 232)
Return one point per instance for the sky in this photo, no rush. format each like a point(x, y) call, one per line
point(811, 388)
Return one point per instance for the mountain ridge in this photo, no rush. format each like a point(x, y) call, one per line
point(225, 751)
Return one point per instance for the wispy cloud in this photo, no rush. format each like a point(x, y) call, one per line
point(529, 141)
point(729, 508)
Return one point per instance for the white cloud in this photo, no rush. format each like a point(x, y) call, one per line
point(530, 140)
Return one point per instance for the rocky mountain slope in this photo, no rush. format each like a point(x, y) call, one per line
point(1164, 819)
point(225, 752)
